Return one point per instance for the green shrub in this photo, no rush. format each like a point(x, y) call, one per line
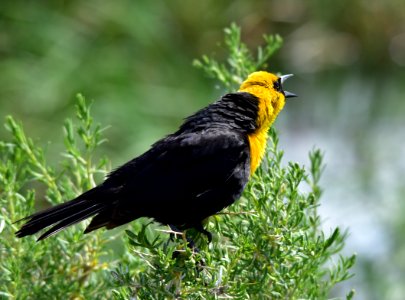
point(67, 264)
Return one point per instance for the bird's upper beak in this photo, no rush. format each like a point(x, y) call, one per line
point(286, 93)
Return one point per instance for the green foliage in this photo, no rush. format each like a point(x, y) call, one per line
point(67, 265)
point(268, 245)
point(240, 62)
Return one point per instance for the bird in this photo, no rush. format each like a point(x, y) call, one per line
point(185, 177)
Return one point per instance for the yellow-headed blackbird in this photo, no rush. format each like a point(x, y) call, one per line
point(187, 176)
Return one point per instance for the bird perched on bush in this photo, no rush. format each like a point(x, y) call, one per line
point(187, 176)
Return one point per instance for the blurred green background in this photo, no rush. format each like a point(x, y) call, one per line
point(134, 58)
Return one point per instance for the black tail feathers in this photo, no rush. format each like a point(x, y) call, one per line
point(62, 215)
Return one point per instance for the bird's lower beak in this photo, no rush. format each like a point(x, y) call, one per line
point(286, 93)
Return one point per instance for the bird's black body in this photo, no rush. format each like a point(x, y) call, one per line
point(183, 179)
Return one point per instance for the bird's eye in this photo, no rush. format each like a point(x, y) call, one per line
point(277, 85)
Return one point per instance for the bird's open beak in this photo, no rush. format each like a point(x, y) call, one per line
point(286, 93)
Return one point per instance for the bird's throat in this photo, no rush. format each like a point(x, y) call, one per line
point(257, 144)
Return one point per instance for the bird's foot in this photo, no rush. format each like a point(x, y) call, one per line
point(202, 230)
point(190, 242)
point(175, 232)
point(190, 245)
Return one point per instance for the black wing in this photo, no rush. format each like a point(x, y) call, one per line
point(181, 180)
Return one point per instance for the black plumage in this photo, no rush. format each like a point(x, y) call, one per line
point(183, 179)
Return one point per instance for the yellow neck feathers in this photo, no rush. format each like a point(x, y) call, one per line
point(271, 102)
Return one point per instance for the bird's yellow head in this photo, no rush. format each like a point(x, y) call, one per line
point(268, 88)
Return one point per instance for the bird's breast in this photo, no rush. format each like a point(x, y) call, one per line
point(257, 145)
